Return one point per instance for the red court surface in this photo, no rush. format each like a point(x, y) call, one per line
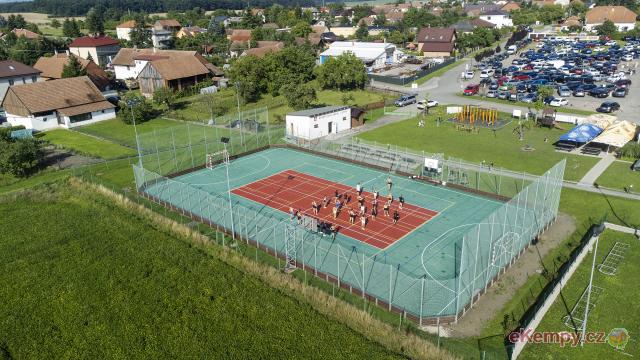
point(295, 189)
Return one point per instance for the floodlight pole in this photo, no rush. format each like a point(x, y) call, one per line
point(226, 166)
point(586, 309)
point(239, 120)
point(130, 103)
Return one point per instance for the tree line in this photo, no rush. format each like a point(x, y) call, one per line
point(81, 7)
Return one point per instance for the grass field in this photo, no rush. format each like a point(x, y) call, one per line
point(619, 175)
point(120, 133)
point(114, 287)
point(86, 145)
point(617, 307)
point(501, 148)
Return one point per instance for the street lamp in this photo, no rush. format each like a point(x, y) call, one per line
point(131, 103)
point(225, 159)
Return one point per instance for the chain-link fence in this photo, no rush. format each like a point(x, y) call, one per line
point(478, 253)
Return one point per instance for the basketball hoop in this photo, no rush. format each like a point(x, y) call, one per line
point(221, 156)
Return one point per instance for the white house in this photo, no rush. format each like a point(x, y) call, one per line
point(497, 17)
point(100, 49)
point(14, 73)
point(623, 18)
point(315, 123)
point(123, 31)
point(374, 55)
point(51, 104)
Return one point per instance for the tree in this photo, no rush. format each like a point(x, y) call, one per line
point(249, 73)
point(95, 21)
point(20, 157)
point(543, 93)
point(299, 96)
point(607, 28)
point(55, 23)
point(16, 22)
point(362, 32)
point(73, 68)
point(70, 28)
point(164, 96)
point(140, 35)
point(301, 29)
point(141, 109)
point(344, 72)
point(381, 20)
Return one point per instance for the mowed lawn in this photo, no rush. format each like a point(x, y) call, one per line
point(116, 131)
point(81, 277)
point(502, 147)
point(86, 145)
point(619, 175)
point(617, 307)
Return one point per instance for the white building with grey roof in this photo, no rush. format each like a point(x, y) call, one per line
point(319, 122)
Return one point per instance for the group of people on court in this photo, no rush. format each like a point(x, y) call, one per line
point(357, 213)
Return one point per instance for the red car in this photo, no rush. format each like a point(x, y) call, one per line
point(471, 89)
point(522, 77)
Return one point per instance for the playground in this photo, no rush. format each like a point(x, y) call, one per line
point(474, 116)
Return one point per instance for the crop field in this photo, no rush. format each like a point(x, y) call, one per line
point(114, 287)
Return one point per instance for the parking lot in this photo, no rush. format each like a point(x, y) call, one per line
point(570, 63)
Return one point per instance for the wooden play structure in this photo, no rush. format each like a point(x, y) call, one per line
point(474, 115)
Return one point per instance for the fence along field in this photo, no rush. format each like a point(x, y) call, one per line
point(433, 274)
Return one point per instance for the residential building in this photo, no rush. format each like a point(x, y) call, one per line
point(477, 9)
point(623, 18)
point(239, 35)
point(51, 104)
point(263, 48)
point(25, 33)
point(100, 49)
point(123, 31)
point(14, 73)
point(316, 123)
point(373, 55)
point(571, 22)
point(168, 25)
point(510, 6)
point(498, 17)
point(190, 31)
point(174, 69)
point(436, 42)
point(51, 69)
point(467, 26)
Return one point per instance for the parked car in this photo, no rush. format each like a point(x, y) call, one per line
point(503, 95)
point(608, 107)
point(619, 92)
point(405, 100)
point(623, 83)
point(559, 102)
point(492, 93)
point(579, 92)
point(599, 92)
point(467, 75)
point(529, 98)
point(564, 91)
point(426, 104)
point(471, 89)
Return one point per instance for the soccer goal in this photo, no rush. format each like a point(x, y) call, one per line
point(218, 157)
point(613, 259)
point(575, 319)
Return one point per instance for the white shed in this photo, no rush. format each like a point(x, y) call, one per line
point(315, 123)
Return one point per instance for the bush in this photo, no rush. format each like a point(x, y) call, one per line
point(142, 111)
point(631, 150)
point(20, 157)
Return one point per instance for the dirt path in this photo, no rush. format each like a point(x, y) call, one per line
point(503, 290)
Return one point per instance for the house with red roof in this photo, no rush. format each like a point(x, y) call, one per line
point(101, 49)
point(436, 42)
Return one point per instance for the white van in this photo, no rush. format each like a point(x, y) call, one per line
point(512, 49)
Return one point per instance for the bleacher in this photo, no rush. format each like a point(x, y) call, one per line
point(591, 150)
point(376, 156)
point(565, 146)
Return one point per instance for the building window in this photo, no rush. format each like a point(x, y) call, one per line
point(315, 126)
point(80, 117)
point(11, 82)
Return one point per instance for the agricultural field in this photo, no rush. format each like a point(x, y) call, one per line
point(501, 147)
point(619, 176)
point(117, 287)
point(85, 144)
point(616, 307)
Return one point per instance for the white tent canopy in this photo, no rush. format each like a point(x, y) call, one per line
point(617, 134)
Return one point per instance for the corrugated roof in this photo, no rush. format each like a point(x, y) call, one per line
point(57, 94)
point(10, 68)
point(319, 111)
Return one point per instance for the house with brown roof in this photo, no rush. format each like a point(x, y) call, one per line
point(190, 31)
point(571, 22)
point(239, 35)
point(51, 104)
point(510, 6)
point(123, 31)
point(436, 42)
point(174, 69)
point(623, 18)
point(51, 69)
point(264, 47)
point(25, 33)
point(101, 49)
point(14, 73)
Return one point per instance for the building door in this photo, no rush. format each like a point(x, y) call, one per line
point(330, 125)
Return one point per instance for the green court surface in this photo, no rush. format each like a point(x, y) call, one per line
point(421, 273)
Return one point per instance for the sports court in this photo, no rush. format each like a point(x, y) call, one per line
point(446, 246)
